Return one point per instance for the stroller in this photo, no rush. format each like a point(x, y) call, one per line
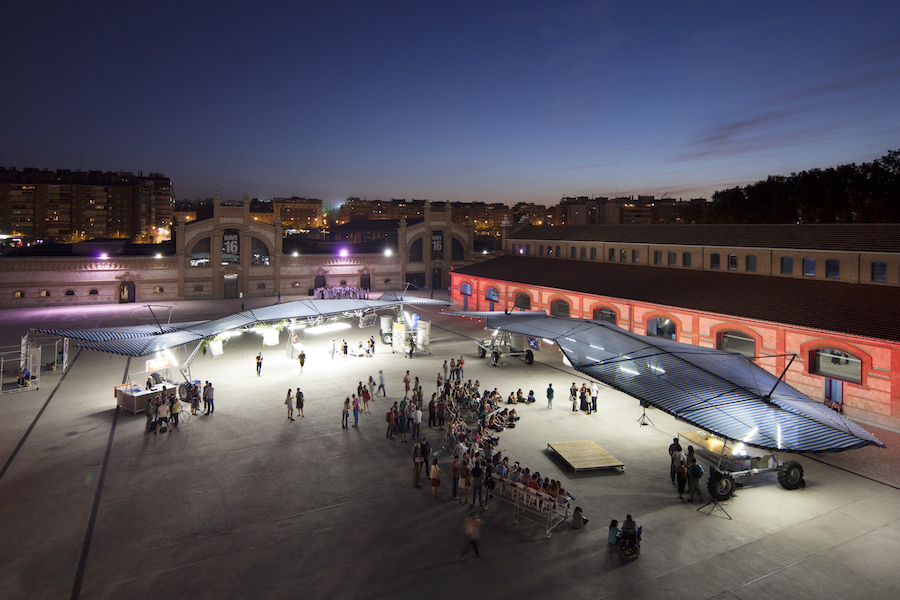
point(630, 543)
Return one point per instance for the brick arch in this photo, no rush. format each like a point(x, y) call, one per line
point(513, 294)
point(472, 287)
point(269, 246)
point(556, 298)
point(807, 348)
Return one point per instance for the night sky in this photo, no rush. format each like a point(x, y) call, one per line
point(488, 100)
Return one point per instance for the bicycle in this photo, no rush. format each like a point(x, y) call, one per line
point(184, 413)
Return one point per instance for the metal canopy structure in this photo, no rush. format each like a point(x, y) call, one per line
point(143, 340)
point(721, 392)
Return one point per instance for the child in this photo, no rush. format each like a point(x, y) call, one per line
point(613, 532)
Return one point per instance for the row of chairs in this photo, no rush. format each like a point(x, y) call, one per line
point(530, 504)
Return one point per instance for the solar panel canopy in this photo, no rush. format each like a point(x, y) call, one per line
point(721, 392)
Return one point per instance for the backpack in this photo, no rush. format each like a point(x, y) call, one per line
point(697, 471)
point(387, 417)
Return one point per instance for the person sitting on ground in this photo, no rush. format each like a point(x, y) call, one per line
point(578, 520)
point(511, 399)
point(530, 398)
point(520, 397)
point(629, 524)
point(513, 416)
point(613, 537)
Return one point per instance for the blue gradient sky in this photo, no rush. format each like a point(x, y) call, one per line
point(489, 100)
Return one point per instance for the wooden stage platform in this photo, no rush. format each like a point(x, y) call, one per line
point(585, 455)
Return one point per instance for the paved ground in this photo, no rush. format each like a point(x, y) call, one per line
point(245, 504)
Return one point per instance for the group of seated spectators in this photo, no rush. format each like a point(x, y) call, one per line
point(340, 291)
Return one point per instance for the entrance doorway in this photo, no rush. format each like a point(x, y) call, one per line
point(834, 394)
point(365, 281)
point(126, 292)
point(436, 279)
point(230, 288)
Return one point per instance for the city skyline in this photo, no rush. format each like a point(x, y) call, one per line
point(508, 102)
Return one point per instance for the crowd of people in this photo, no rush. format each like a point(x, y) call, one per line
point(685, 470)
point(163, 410)
point(345, 351)
point(340, 291)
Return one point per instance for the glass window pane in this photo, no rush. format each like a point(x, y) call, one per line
point(836, 364)
point(734, 341)
point(673, 259)
point(685, 259)
point(879, 271)
point(732, 262)
point(809, 267)
point(713, 261)
point(833, 268)
point(750, 263)
point(787, 265)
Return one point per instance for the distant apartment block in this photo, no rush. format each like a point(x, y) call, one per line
point(70, 206)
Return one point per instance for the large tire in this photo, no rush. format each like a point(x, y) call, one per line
point(790, 475)
point(387, 339)
point(495, 358)
point(720, 485)
point(529, 357)
point(481, 352)
point(184, 390)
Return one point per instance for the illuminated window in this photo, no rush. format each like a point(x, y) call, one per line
point(662, 327)
point(735, 341)
point(836, 364)
point(604, 314)
point(45, 293)
point(159, 289)
point(559, 308)
point(464, 288)
point(19, 295)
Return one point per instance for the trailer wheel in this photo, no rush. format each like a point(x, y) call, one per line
point(720, 485)
point(529, 357)
point(387, 339)
point(184, 390)
point(481, 352)
point(790, 475)
point(495, 358)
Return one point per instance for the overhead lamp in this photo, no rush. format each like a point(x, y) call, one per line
point(328, 328)
point(388, 252)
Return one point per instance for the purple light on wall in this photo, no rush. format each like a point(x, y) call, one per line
point(343, 252)
point(104, 256)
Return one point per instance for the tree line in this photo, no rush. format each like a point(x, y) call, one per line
point(864, 193)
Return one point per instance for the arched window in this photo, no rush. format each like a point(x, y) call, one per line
point(464, 288)
point(685, 259)
point(572, 252)
point(583, 253)
point(549, 251)
point(714, 261)
point(605, 314)
point(735, 341)
point(70, 292)
point(19, 294)
point(541, 250)
point(673, 259)
point(662, 327)
point(750, 263)
point(635, 256)
point(159, 289)
point(833, 268)
point(260, 252)
point(559, 308)
point(611, 255)
point(199, 255)
point(879, 271)
point(657, 257)
point(523, 301)
point(198, 288)
point(415, 251)
point(93, 293)
point(836, 364)
point(260, 286)
point(732, 262)
point(492, 295)
point(45, 293)
point(787, 265)
point(809, 267)
point(623, 256)
point(593, 254)
point(296, 284)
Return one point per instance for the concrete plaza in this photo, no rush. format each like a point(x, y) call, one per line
point(246, 504)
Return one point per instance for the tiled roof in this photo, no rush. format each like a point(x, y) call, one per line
point(838, 237)
point(855, 309)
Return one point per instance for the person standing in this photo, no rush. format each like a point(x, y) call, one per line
point(406, 381)
point(550, 396)
point(416, 421)
point(391, 421)
point(681, 477)
point(440, 381)
point(206, 398)
point(454, 477)
point(573, 396)
point(695, 474)
point(459, 368)
point(302, 359)
point(300, 401)
point(344, 348)
point(432, 412)
point(381, 384)
point(595, 391)
point(584, 399)
point(372, 387)
point(417, 464)
point(211, 398)
point(289, 402)
point(356, 411)
point(345, 414)
point(365, 399)
point(259, 359)
point(446, 370)
point(463, 481)
point(477, 484)
point(332, 348)
point(472, 530)
point(673, 448)
point(435, 475)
